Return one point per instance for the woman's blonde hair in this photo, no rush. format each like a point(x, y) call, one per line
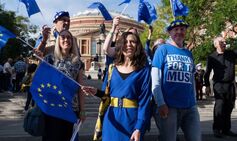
point(73, 53)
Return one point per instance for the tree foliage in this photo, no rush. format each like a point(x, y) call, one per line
point(207, 19)
point(21, 27)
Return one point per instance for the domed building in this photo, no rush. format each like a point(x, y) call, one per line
point(86, 27)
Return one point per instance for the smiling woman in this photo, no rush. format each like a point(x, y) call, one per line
point(66, 59)
point(129, 90)
point(66, 47)
point(129, 46)
point(65, 42)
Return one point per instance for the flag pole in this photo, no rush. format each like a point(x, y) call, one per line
point(25, 42)
point(43, 17)
point(125, 7)
point(171, 5)
point(77, 128)
point(41, 59)
point(17, 9)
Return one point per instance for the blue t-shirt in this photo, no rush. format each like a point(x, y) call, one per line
point(177, 75)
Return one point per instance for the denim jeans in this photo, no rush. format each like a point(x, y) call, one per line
point(186, 119)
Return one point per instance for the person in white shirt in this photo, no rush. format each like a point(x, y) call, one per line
point(7, 72)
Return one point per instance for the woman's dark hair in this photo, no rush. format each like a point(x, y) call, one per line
point(139, 57)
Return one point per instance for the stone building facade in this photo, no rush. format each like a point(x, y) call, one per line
point(86, 28)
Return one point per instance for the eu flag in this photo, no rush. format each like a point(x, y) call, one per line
point(5, 35)
point(102, 9)
point(146, 12)
point(31, 6)
point(53, 92)
point(179, 9)
point(125, 1)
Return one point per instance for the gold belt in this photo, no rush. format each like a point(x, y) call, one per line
point(123, 102)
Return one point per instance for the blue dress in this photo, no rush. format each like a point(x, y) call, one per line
point(119, 123)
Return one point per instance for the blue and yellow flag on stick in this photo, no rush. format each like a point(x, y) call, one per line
point(146, 12)
point(178, 8)
point(4, 36)
point(53, 92)
point(102, 9)
point(31, 6)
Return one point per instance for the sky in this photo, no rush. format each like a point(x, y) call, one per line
point(50, 7)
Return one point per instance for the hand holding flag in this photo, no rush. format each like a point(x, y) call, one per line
point(5, 35)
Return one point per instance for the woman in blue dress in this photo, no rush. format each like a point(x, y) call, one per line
point(130, 92)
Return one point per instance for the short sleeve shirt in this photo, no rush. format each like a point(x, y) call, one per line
point(177, 75)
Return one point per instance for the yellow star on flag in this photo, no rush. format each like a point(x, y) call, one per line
point(63, 98)
point(55, 87)
point(42, 85)
point(45, 101)
point(48, 85)
point(39, 90)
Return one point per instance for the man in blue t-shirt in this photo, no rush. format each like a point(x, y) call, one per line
point(173, 86)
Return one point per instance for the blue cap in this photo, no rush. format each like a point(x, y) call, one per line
point(177, 23)
point(60, 14)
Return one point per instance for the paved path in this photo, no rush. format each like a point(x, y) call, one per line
point(11, 117)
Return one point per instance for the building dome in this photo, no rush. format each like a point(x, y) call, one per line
point(91, 19)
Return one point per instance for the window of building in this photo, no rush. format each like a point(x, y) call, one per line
point(84, 46)
point(93, 48)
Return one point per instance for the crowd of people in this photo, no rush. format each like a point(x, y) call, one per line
point(14, 77)
point(12, 73)
point(159, 80)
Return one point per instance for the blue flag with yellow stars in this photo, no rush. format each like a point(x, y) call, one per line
point(53, 92)
point(5, 35)
point(179, 9)
point(102, 9)
point(31, 6)
point(146, 12)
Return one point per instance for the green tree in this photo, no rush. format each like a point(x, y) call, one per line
point(21, 27)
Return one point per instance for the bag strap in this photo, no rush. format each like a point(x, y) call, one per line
point(110, 70)
point(104, 104)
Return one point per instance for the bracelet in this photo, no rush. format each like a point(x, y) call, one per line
point(82, 113)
